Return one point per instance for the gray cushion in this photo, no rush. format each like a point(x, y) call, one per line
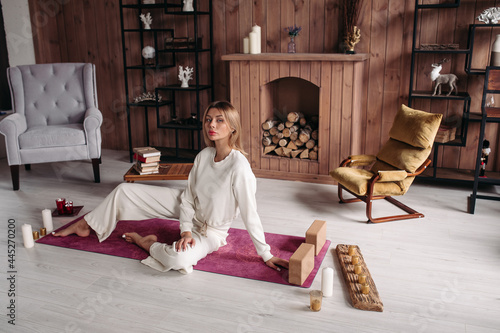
point(53, 93)
point(52, 136)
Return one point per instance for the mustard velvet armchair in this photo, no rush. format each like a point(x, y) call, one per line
point(391, 172)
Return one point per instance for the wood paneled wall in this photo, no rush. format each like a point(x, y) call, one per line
point(89, 30)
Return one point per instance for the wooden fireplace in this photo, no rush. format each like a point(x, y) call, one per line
point(333, 91)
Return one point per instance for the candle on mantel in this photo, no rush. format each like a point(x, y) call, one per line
point(27, 236)
point(354, 260)
point(362, 278)
point(246, 45)
point(43, 231)
point(254, 49)
point(36, 235)
point(327, 281)
point(47, 220)
point(257, 30)
point(357, 268)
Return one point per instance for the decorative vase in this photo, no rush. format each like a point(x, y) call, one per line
point(495, 52)
point(351, 39)
point(291, 45)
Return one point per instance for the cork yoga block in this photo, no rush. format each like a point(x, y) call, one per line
point(316, 235)
point(301, 264)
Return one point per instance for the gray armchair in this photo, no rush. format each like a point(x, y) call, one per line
point(55, 116)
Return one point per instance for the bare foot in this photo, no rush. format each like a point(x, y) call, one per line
point(143, 242)
point(81, 228)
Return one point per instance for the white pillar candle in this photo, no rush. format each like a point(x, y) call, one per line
point(253, 43)
point(27, 236)
point(246, 45)
point(47, 220)
point(257, 30)
point(327, 281)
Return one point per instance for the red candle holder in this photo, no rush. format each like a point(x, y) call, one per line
point(60, 202)
point(68, 207)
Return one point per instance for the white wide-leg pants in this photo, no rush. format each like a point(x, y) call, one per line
point(131, 201)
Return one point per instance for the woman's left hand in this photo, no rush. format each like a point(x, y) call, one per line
point(276, 263)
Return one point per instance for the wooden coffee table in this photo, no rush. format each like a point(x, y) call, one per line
point(168, 171)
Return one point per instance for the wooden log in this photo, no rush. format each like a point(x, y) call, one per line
point(316, 148)
point(275, 139)
point(281, 126)
point(313, 155)
point(314, 134)
point(280, 135)
point(296, 153)
point(279, 151)
point(302, 121)
point(283, 142)
point(286, 152)
point(289, 124)
point(370, 301)
point(286, 132)
point(294, 116)
point(294, 136)
point(298, 143)
point(304, 135)
point(266, 133)
point(268, 124)
point(310, 144)
point(304, 154)
point(291, 145)
point(267, 141)
point(269, 149)
point(273, 131)
point(294, 128)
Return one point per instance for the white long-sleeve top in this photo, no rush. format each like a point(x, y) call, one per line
point(217, 192)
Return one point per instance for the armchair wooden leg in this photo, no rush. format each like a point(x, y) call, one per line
point(14, 171)
point(95, 166)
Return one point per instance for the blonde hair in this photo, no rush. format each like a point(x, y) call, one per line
point(232, 116)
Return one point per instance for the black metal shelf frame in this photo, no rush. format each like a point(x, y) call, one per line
point(196, 88)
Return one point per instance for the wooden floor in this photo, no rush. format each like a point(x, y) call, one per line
point(437, 274)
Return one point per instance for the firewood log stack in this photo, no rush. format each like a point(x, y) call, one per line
point(297, 137)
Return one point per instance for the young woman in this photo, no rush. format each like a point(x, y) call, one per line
point(221, 184)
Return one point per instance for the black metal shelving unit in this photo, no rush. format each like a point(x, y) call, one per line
point(461, 97)
point(489, 114)
point(170, 9)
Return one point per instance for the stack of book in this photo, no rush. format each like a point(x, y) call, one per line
point(445, 134)
point(147, 160)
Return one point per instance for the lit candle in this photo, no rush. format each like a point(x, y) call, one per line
point(352, 250)
point(315, 297)
point(47, 220)
point(357, 268)
point(362, 278)
point(354, 260)
point(27, 236)
point(254, 47)
point(365, 289)
point(257, 30)
point(43, 231)
point(246, 45)
point(35, 235)
point(327, 281)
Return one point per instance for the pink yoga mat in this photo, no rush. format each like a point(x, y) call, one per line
point(237, 258)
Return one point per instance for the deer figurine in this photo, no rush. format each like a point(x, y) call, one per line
point(449, 79)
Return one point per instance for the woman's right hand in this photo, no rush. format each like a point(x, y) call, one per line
point(186, 239)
